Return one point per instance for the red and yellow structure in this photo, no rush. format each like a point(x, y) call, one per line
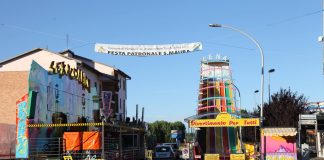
point(217, 115)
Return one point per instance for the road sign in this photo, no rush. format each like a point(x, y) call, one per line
point(312, 122)
point(185, 153)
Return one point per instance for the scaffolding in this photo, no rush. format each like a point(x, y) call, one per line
point(120, 141)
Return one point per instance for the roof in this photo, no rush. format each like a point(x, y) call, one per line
point(21, 56)
point(279, 131)
point(74, 57)
point(90, 60)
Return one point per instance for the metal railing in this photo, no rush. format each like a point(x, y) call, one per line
point(40, 148)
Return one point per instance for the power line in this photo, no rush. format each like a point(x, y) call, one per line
point(41, 32)
point(228, 45)
point(294, 18)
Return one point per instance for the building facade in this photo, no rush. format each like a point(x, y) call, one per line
point(65, 88)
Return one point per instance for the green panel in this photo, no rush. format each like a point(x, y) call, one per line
point(232, 138)
point(227, 95)
point(32, 95)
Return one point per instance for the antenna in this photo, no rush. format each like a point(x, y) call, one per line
point(67, 41)
point(142, 114)
point(136, 113)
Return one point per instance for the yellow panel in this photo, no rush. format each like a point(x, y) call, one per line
point(211, 156)
point(237, 157)
point(218, 101)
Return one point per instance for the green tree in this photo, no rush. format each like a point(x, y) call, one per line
point(250, 134)
point(284, 109)
point(179, 126)
point(160, 131)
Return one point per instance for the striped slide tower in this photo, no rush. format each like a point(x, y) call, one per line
point(216, 95)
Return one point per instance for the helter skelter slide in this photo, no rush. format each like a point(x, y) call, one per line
point(217, 95)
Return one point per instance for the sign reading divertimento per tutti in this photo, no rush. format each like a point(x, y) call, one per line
point(224, 120)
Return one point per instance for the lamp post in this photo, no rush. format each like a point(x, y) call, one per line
point(262, 61)
point(270, 71)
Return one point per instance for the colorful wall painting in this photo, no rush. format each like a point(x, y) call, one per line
point(106, 103)
point(58, 96)
point(279, 147)
point(22, 129)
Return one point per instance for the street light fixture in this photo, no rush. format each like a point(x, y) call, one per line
point(270, 71)
point(255, 103)
point(262, 61)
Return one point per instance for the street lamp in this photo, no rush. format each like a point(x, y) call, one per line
point(270, 71)
point(262, 61)
point(255, 103)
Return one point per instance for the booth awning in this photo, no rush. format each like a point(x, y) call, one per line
point(279, 131)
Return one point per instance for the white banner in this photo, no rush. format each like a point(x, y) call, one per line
point(147, 50)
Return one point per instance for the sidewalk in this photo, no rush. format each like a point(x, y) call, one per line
point(317, 158)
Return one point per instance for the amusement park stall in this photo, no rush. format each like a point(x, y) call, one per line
point(278, 143)
point(218, 119)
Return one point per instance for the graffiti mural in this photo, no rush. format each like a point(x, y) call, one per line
point(280, 147)
point(60, 99)
point(22, 130)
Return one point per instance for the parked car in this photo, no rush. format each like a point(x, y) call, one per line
point(164, 152)
point(175, 148)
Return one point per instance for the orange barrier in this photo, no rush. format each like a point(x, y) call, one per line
point(72, 141)
point(91, 140)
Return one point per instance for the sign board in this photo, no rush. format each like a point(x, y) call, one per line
point(224, 120)
point(308, 116)
point(147, 50)
point(237, 157)
point(310, 122)
point(77, 74)
point(211, 156)
point(185, 153)
point(67, 157)
point(176, 133)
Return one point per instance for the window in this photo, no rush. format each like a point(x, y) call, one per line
point(120, 105)
point(124, 84)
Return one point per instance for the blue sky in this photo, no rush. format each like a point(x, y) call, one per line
point(167, 86)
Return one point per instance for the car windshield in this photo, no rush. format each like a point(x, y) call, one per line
point(162, 149)
point(173, 145)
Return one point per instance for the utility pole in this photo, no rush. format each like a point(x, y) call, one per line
point(321, 38)
point(322, 33)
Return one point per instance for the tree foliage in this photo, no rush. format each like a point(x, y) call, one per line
point(160, 131)
point(284, 109)
point(250, 134)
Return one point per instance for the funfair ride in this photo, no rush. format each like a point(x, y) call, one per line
point(217, 95)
